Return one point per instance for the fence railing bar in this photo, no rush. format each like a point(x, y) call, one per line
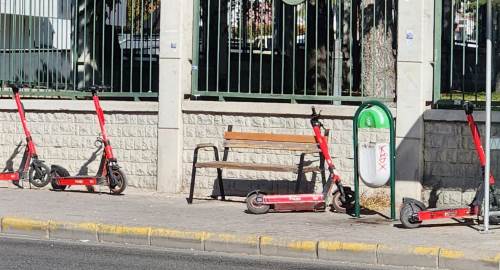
point(362, 81)
point(142, 46)
point(123, 16)
point(464, 41)
point(132, 45)
point(306, 41)
point(113, 23)
point(150, 50)
point(240, 22)
point(328, 47)
point(316, 4)
point(93, 59)
point(476, 13)
point(283, 49)
point(21, 40)
point(251, 48)
point(351, 37)
point(103, 62)
point(262, 26)
point(385, 42)
point(272, 44)
point(4, 30)
point(452, 41)
point(374, 29)
point(294, 41)
point(229, 35)
point(27, 74)
point(217, 61)
point(207, 48)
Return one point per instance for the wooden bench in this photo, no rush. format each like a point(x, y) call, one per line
point(303, 144)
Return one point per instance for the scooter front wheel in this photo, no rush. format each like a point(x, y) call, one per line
point(348, 204)
point(121, 181)
point(406, 216)
point(39, 175)
point(256, 207)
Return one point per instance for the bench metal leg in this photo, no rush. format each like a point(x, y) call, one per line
point(193, 177)
point(300, 173)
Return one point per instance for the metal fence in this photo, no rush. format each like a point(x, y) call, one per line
point(460, 53)
point(295, 50)
point(61, 46)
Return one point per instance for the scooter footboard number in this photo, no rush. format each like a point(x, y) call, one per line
point(90, 181)
point(9, 176)
point(445, 213)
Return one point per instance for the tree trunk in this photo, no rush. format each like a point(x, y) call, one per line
point(378, 72)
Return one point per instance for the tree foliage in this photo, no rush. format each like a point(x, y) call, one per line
point(139, 11)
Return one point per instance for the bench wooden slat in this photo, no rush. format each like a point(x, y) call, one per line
point(302, 147)
point(248, 136)
point(254, 166)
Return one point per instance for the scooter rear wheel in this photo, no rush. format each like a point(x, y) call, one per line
point(406, 216)
point(39, 175)
point(346, 207)
point(255, 207)
point(58, 172)
point(121, 181)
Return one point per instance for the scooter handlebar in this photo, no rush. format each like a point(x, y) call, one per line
point(98, 88)
point(15, 86)
point(315, 116)
point(469, 108)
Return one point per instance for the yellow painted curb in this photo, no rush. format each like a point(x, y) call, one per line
point(297, 245)
point(177, 234)
point(8, 224)
point(123, 230)
point(85, 226)
point(451, 254)
point(24, 224)
point(346, 246)
point(233, 238)
point(430, 251)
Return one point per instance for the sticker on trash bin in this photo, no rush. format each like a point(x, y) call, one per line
point(374, 164)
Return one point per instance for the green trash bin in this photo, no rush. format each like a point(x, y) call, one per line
point(373, 117)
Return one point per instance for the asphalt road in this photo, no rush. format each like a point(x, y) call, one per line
point(21, 253)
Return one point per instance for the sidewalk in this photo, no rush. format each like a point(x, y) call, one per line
point(371, 239)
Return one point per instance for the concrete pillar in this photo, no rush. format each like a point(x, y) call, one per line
point(414, 86)
point(175, 55)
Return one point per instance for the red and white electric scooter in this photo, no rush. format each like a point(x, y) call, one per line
point(342, 199)
point(109, 173)
point(31, 166)
point(414, 212)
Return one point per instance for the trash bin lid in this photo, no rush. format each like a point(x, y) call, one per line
point(373, 117)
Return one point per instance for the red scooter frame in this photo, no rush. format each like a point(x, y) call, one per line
point(109, 172)
point(38, 172)
point(342, 199)
point(414, 212)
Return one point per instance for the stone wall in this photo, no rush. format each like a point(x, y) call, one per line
point(452, 172)
point(66, 137)
point(209, 127)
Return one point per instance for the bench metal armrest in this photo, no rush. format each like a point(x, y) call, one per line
point(202, 146)
point(205, 145)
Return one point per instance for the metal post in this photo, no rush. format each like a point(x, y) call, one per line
point(488, 120)
point(392, 150)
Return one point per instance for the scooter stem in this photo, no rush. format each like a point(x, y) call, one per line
point(100, 115)
point(20, 110)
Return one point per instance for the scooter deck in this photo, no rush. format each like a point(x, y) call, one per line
point(296, 202)
point(77, 180)
point(9, 176)
point(438, 213)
